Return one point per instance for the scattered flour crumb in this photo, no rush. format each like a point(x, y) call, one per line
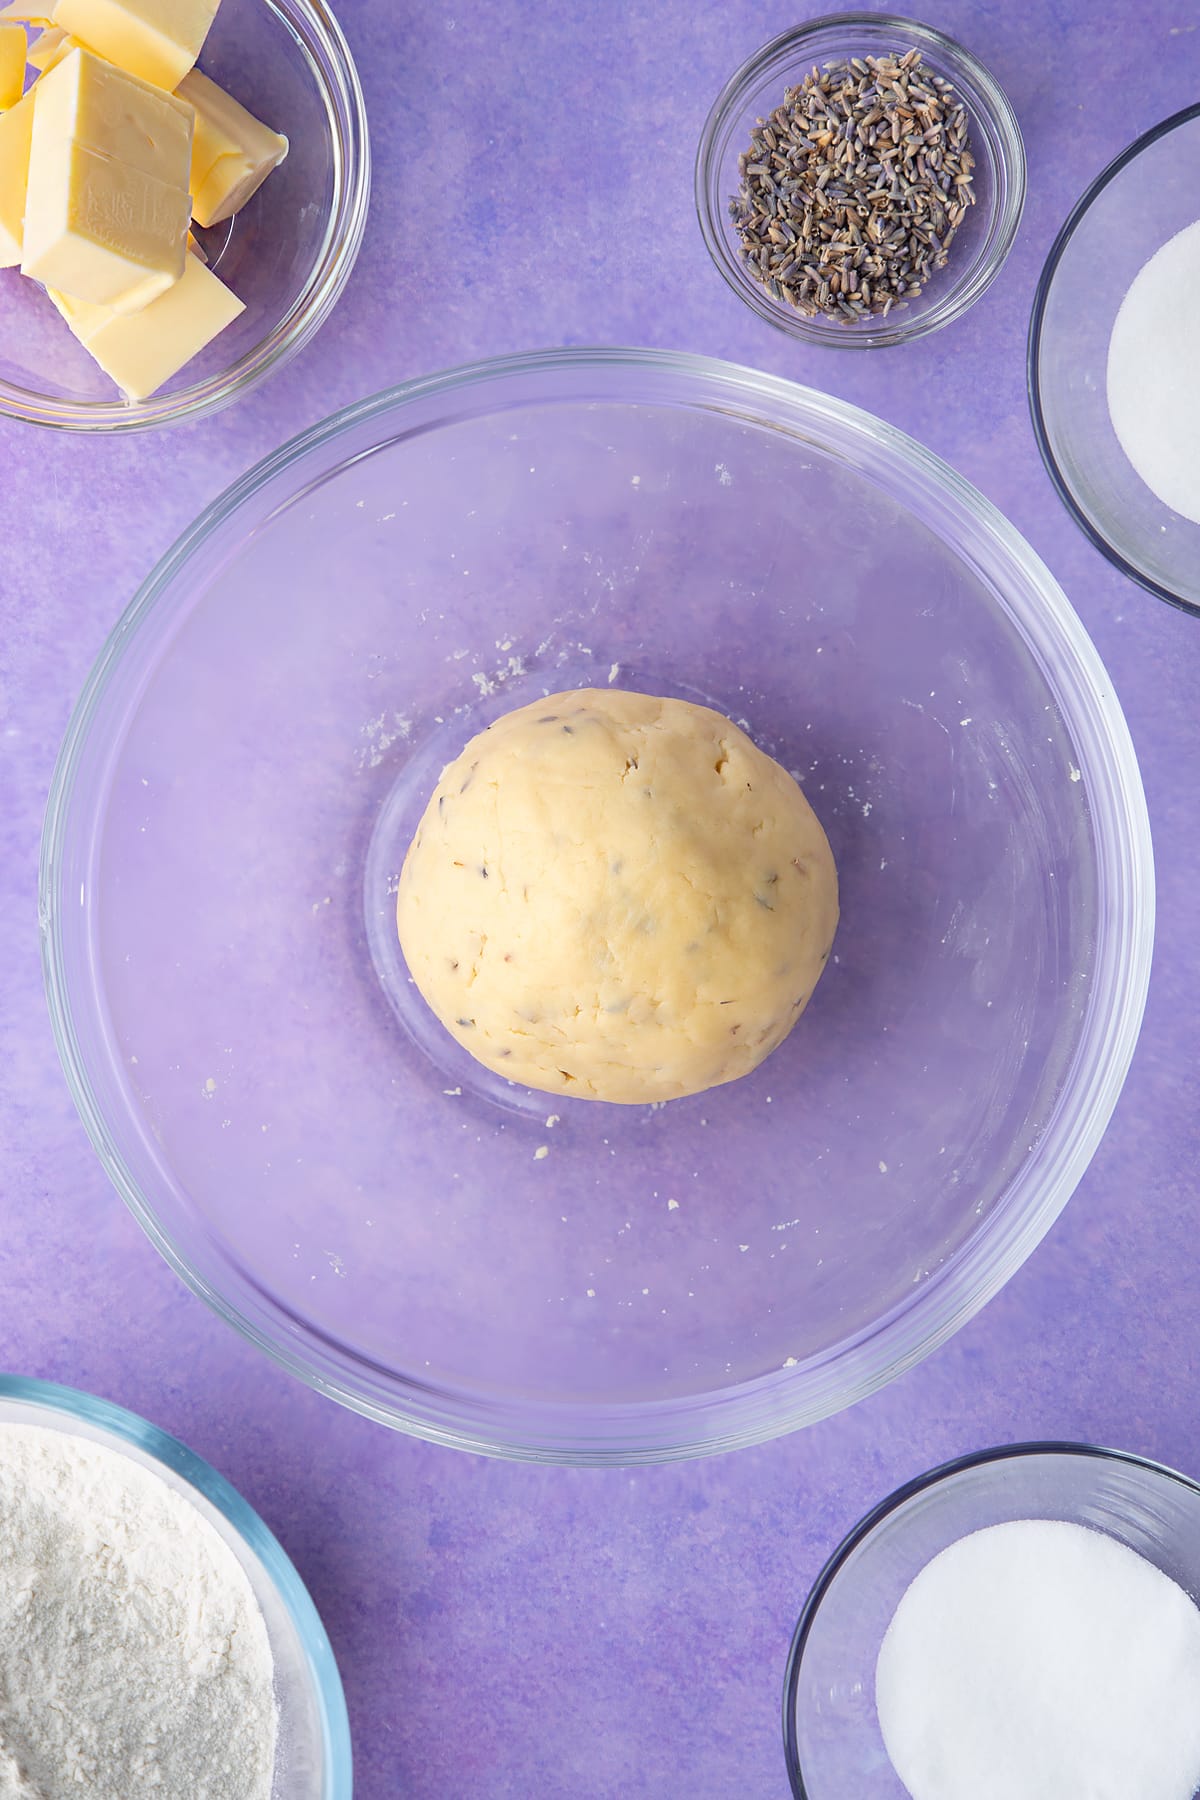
point(789, 1362)
point(883, 1168)
point(613, 673)
point(380, 735)
point(672, 1206)
point(541, 1151)
point(552, 1120)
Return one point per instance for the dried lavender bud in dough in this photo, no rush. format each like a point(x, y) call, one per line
point(618, 897)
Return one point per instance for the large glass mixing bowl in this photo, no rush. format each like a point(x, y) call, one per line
point(568, 1280)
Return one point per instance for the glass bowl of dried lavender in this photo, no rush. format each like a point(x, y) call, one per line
point(860, 180)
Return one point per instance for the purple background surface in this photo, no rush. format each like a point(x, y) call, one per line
point(512, 1631)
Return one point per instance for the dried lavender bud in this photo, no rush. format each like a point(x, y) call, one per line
point(853, 188)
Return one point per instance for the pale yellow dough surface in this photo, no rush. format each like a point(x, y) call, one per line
point(617, 897)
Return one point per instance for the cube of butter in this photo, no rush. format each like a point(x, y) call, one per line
point(16, 128)
point(12, 65)
point(107, 110)
point(142, 352)
point(232, 151)
point(107, 208)
point(156, 39)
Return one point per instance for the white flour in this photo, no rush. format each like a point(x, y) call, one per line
point(134, 1658)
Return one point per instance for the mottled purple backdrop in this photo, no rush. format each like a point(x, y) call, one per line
point(543, 1632)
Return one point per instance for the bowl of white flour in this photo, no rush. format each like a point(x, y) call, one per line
point(155, 1640)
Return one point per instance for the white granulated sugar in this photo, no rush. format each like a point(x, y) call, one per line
point(1154, 374)
point(1041, 1660)
point(134, 1658)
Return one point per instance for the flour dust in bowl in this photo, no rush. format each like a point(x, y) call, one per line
point(315, 1154)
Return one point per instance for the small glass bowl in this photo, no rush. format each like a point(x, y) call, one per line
point(1139, 202)
point(831, 1734)
point(983, 239)
point(287, 255)
point(313, 1758)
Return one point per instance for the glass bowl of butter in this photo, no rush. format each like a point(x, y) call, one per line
point(178, 213)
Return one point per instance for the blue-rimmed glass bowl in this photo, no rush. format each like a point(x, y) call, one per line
point(313, 1760)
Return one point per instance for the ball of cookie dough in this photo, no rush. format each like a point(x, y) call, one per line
point(617, 897)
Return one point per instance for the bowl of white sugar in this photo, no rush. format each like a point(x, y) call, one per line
point(1114, 361)
point(155, 1640)
point(1018, 1625)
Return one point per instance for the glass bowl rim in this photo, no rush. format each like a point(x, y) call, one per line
point(657, 1430)
point(337, 79)
point(127, 1428)
point(895, 1502)
point(960, 295)
point(1033, 381)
